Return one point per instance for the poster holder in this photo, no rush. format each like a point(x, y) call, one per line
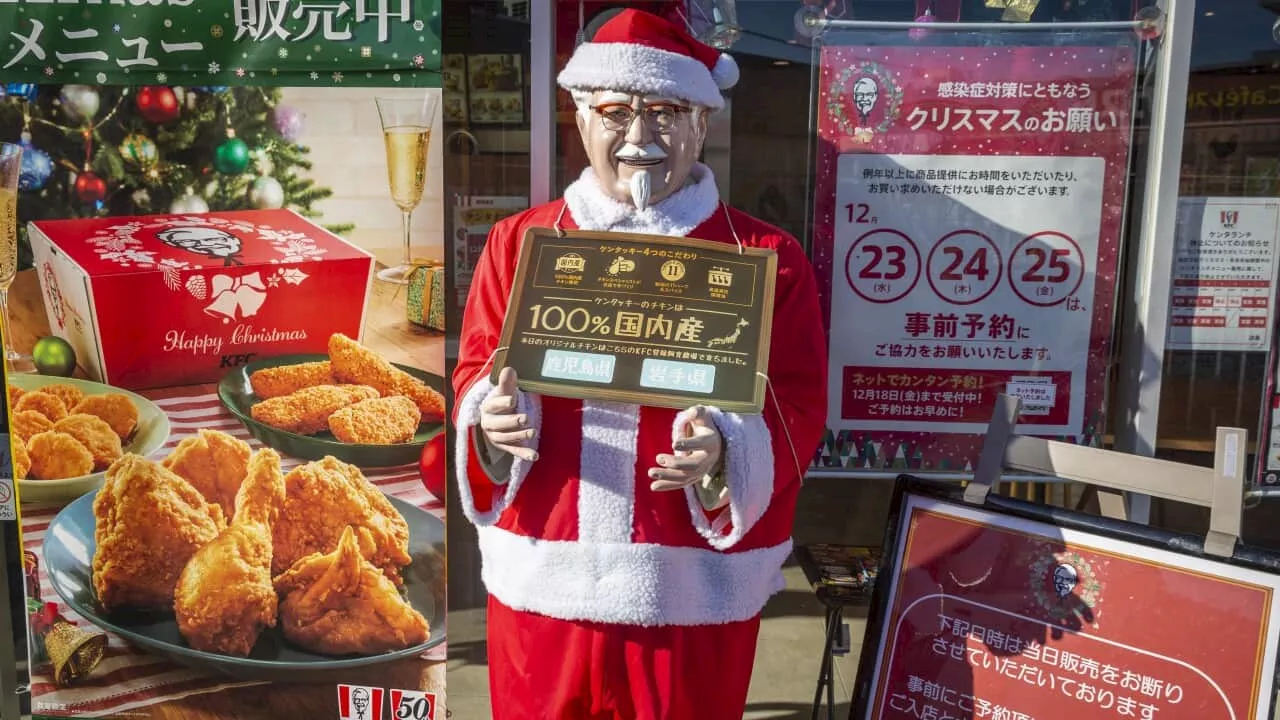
point(1221, 488)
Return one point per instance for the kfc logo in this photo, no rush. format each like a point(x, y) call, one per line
point(358, 702)
point(202, 240)
point(1230, 218)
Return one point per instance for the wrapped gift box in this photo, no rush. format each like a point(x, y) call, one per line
point(163, 300)
point(426, 295)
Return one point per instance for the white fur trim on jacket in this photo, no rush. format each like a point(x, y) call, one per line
point(468, 419)
point(607, 472)
point(629, 584)
point(748, 474)
point(640, 69)
point(676, 216)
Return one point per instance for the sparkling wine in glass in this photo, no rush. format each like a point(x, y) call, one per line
point(10, 167)
point(406, 131)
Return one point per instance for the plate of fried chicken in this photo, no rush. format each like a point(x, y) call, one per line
point(350, 404)
point(215, 557)
point(67, 431)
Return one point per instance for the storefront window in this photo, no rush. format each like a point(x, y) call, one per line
point(487, 177)
point(1231, 152)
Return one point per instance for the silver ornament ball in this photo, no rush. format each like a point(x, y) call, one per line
point(80, 101)
point(189, 204)
point(266, 193)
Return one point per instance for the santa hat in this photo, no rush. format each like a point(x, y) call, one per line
point(640, 52)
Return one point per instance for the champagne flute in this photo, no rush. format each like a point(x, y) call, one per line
point(10, 168)
point(406, 130)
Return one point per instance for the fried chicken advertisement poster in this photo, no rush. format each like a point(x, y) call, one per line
point(223, 497)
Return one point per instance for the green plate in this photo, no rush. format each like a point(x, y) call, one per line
point(69, 545)
point(236, 394)
point(151, 435)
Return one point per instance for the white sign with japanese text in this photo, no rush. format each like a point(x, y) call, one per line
point(1224, 274)
point(956, 278)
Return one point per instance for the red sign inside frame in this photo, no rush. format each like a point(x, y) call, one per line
point(992, 616)
point(969, 204)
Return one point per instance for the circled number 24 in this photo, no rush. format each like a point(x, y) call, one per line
point(1048, 265)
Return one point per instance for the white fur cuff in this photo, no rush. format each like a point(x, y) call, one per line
point(469, 418)
point(748, 466)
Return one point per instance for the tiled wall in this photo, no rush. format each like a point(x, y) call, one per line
point(345, 136)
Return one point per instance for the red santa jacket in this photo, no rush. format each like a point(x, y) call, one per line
point(578, 534)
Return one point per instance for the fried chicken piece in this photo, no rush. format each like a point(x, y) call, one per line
point(15, 394)
point(323, 497)
point(150, 522)
point(215, 463)
point(307, 411)
point(430, 401)
point(29, 423)
point(50, 406)
point(273, 382)
point(339, 604)
point(224, 596)
point(95, 435)
point(58, 456)
point(354, 363)
point(21, 460)
point(115, 408)
point(380, 421)
point(70, 395)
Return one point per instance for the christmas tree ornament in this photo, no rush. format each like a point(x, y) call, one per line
point(80, 102)
point(36, 166)
point(232, 156)
point(141, 198)
point(289, 122)
point(431, 466)
point(158, 104)
point(73, 651)
point(54, 356)
point(189, 204)
point(90, 188)
point(266, 193)
point(210, 89)
point(25, 91)
point(139, 150)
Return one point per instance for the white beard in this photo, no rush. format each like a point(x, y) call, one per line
point(641, 189)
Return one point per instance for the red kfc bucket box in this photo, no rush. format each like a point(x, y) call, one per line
point(162, 300)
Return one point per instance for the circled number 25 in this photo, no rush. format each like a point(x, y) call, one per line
point(1048, 265)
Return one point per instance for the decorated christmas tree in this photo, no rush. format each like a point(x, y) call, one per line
point(110, 150)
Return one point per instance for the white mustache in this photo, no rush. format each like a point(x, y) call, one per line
point(635, 152)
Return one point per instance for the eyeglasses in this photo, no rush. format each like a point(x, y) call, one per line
point(660, 117)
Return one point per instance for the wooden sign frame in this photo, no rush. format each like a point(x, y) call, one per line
point(995, 535)
point(750, 398)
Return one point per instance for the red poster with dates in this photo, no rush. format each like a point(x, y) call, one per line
point(991, 616)
point(969, 205)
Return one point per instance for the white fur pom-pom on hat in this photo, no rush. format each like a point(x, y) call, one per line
point(725, 72)
point(639, 52)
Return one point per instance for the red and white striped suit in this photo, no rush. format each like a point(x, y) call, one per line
point(609, 600)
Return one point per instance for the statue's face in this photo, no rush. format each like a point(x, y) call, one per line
point(642, 149)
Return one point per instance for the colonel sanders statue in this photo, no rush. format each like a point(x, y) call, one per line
point(628, 550)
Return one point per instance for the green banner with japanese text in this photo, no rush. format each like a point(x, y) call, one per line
point(221, 42)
